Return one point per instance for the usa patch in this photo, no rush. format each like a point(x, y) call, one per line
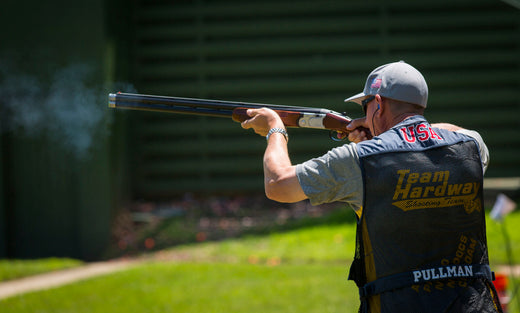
point(376, 83)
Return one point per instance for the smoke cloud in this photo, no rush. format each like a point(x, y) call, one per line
point(67, 107)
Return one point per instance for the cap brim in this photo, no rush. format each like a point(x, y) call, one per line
point(357, 98)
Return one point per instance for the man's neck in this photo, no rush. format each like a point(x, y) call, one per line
point(394, 120)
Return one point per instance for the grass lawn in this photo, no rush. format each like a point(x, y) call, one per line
point(319, 244)
point(201, 287)
point(12, 269)
point(303, 270)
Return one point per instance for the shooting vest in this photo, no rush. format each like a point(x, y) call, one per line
point(421, 238)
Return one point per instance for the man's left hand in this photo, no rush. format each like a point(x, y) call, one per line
point(262, 120)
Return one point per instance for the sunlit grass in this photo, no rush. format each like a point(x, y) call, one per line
point(314, 244)
point(201, 287)
point(303, 270)
point(12, 269)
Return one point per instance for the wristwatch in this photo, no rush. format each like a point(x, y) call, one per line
point(277, 130)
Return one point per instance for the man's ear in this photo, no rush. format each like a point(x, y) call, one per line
point(380, 106)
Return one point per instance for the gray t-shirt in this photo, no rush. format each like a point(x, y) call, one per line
point(336, 176)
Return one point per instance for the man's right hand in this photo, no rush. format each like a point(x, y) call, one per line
point(355, 134)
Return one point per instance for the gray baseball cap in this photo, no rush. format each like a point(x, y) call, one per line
point(399, 81)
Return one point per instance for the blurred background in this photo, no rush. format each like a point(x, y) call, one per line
point(76, 177)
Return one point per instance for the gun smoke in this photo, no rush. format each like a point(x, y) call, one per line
point(67, 107)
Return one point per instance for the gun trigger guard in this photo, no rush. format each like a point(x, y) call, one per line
point(333, 134)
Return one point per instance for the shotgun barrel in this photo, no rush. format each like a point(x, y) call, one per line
point(292, 116)
point(195, 106)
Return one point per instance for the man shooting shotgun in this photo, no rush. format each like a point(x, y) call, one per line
point(416, 189)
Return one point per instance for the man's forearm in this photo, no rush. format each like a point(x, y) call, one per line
point(280, 181)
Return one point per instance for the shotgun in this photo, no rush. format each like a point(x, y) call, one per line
point(292, 116)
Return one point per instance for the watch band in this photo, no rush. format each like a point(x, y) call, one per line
point(277, 130)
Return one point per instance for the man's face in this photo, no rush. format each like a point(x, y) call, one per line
point(370, 107)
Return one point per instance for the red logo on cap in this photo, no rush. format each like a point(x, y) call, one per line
point(376, 83)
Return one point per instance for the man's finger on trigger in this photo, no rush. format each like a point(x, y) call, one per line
point(353, 124)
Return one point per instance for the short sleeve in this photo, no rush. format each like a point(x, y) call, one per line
point(335, 176)
point(484, 152)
